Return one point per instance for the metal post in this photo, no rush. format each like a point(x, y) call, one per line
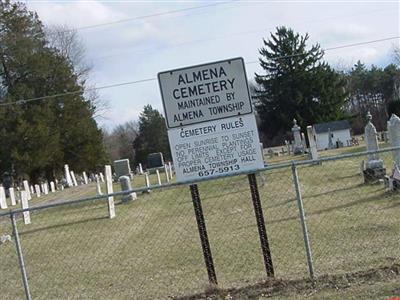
point(20, 257)
point(266, 252)
point(212, 277)
point(303, 221)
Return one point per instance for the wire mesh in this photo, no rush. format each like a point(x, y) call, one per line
point(10, 275)
point(152, 249)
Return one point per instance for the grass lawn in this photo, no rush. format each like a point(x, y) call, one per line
point(151, 249)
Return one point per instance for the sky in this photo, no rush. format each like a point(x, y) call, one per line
point(165, 35)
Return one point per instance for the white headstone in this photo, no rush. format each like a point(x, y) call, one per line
point(3, 202)
point(166, 173)
point(146, 180)
point(98, 186)
point(171, 175)
point(158, 177)
point(75, 183)
point(140, 168)
point(26, 188)
point(52, 187)
point(12, 196)
point(24, 205)
point(109, 189)
point(85, 178)
point(32, 191)
point(394, 137)
point(68, 176)
point(37, 190)
point(101, 177)
point(125, 182)
point(371, 142)
point(298, 146)
point(46, 188)
point(312, 142)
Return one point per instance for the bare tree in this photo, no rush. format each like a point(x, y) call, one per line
point(70, 45)
point(119, 143)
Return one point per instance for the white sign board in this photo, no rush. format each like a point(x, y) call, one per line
point(205, 92)
point(218, 147)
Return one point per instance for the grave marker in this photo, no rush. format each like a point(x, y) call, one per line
point(52, 187)
point(24, 204)
point(3, 201)
point(313, 143)
point(122, 167)
point(158, 177)
point(74, 182)
point(109, 189)
point(85, 178)
point(26, 188)
point(68, 176)
point(37, 190)
point(12, 196)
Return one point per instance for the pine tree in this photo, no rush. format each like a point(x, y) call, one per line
point(297, 84)
point(152, 135)
point(38, 137)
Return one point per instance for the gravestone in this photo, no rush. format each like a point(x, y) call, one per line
point(32, 191)
point(298, 146)
point(26, 188)
point(101, 177)
point(98, 186)
point(122, 167)
point(394, 132)
point(393, 127)
point(166, 173)
point(52, 187)
point(67, 176)
point(45, 188)
point(74, 182)
point(24, 204)
point(109, 190)
point(313, 143)
point(158, 177)
point(3, 202)
point(85, 178)
point(155, 160)
point(37, 190)
point(125, 182)
point(140, 168)
point(147, 182)
point(374, 169)
point(12, 196)
point(171, 175)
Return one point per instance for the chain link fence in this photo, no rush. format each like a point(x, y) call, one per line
point(167, 244)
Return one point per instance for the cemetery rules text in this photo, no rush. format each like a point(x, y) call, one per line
point(218, 147)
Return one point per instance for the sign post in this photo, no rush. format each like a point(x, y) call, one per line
point(212, 131)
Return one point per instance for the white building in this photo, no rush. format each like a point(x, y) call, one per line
point(339, 131)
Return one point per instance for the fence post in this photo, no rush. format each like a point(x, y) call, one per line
point(266, 252)
point(20, 257)
point(303, 221)
point(201, 225)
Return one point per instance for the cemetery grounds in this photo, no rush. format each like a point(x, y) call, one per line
point(152, 250)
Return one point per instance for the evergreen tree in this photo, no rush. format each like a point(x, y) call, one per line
point(297, 84)
point(152, 135)
point(38, 137)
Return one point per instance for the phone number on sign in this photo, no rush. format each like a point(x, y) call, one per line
point(220, 170)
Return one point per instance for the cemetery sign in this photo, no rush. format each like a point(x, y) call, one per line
point(205, 92)
point(212, 130)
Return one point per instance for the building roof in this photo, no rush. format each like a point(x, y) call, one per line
point(333, 126)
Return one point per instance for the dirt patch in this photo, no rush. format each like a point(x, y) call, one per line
point(276, 287)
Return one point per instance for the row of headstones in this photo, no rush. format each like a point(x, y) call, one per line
point(21, 197)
